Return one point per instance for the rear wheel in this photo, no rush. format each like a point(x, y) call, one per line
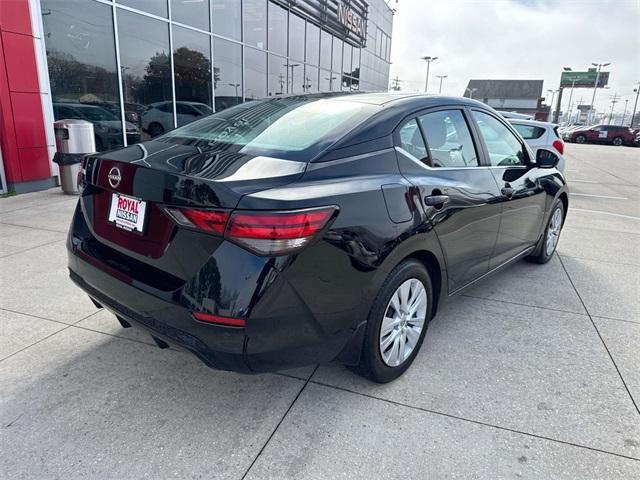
point(397, 323)
point(618, 141)
point(155, 129)
point(581, 139)
point(547, 245)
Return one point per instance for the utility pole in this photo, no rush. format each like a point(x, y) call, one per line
point(635, 105)
point(553, 94)
point(614, 99)
point(441, 77)
point(428, 60)
point(573, 84)
point(471, 91)
point(595, 88)
point(624, 112)
point(396, 84)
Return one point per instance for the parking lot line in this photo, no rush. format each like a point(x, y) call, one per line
point(605, 213)
point(598, 196)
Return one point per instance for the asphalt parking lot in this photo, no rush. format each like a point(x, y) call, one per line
point(534, 373)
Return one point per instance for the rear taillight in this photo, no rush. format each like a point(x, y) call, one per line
point(219, 320)
point(262, 232)
point(559, 146)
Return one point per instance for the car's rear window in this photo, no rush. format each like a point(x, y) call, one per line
point(291, 128)
point(528, 132)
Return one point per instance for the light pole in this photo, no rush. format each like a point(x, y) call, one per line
point(553, 94)
point(470, 90)
point(614, 100)
point(573, 84)
point(624, 112)
point(441, 77)
point(595, 87)
point(235, 86)
point(635, 105)
point(428, 60)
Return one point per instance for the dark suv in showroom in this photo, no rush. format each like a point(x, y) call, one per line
point(303, 229)
point(611, 134)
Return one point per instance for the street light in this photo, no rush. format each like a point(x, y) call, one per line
point(624, 112)
point(595, 87)
point(635, 105)
point(471, 91)
point(428, 60)
point(553, 94)
point(441, 77)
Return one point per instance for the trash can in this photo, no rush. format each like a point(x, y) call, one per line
point(74, 139)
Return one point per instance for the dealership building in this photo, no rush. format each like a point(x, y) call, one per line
point(138, 68)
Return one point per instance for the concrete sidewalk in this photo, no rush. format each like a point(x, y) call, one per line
point(534, 373)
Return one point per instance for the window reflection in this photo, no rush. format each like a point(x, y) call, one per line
point(277, 76)
point(227, 73)
point(277, 29)
point(325, 50)
point(326, 78)
point(337, 55)
point(296, 77)
point(190, 12)
point(296, 37)
point(82, 68)
point(192, 70)
point(146, 72)
point(227, 18)
point(255, 23)
point(157, 7)
point(310, 79)
point(255, 65)
point(313, 44)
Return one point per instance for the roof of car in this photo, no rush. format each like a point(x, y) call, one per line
point(533, 123)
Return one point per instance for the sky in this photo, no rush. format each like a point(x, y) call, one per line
point(517, 39)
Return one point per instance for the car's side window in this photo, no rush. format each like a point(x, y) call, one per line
point(411, 140)
point(449, 140)
point(528, 132)
point(504, 147)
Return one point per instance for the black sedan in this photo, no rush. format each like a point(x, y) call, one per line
point(304, 229)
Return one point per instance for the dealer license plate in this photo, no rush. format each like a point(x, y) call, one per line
point(127, 213)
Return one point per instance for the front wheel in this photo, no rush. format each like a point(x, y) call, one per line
point(397, 323)
point(547, 245)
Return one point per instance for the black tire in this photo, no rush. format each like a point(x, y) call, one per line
point(581, 139)
point(372, 366)
point(540, 254)
point(155, 129)
point(618, 141)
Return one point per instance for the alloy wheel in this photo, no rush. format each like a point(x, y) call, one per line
point(403, 321)
point(553, 233)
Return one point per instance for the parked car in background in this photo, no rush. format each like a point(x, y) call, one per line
point(302, 229)
point(158, 118)
point(107, 126)
point(541, 135)
point(610, 134)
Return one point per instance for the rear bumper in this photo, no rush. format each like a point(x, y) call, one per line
point(281, 330)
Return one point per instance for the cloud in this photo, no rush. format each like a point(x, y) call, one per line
point(517, 39)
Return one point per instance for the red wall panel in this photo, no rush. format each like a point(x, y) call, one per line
point(31, 164)
point(15, 16)
point(20, 61)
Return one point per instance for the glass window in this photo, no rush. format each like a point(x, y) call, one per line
point(255, 23)
point(277, 76)
point(346, 59)
point(277, 29)
point(227, 72)
point(255, 64)
point(81, 55)
point(528, 132)
point(313, 44)
point(191, 13)
point(279, 127)
point(325, 80)
point(296, 77)
point(310, 79)
point(411, 140)
point(146, 71)
point(346, 83)
point(355, 63)
point(449, 139)
point(503, 146)
point(337, 55)
point(378, 45)
point(192, 69)
point(296, 37)
point(325, 50)
point(227, 18)
point(156, 7)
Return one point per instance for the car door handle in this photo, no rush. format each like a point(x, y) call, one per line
point(436, 200)
point(508, 191)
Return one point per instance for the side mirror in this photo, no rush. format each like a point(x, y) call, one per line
point(546, 158)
